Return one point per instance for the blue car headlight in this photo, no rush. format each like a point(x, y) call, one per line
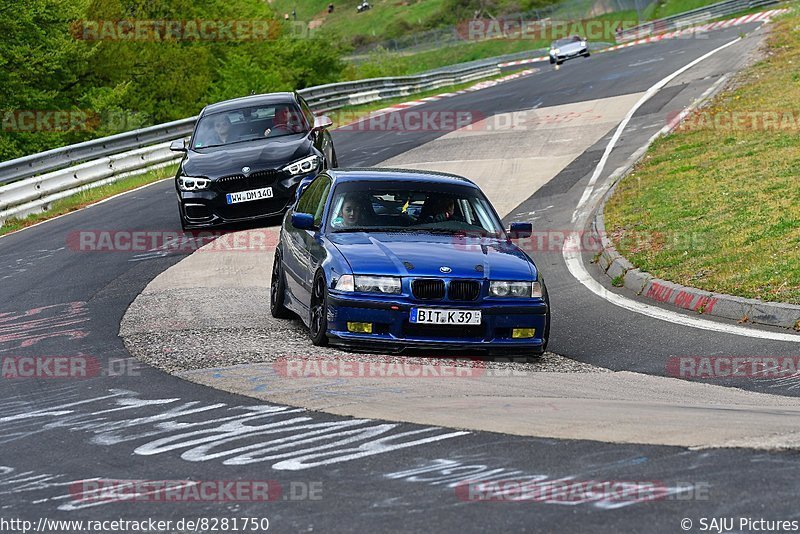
point(303, 166)
point(507, 288)
point(389, 285)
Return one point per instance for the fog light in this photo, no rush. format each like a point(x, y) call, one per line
point(360, 328)
point(519, 333)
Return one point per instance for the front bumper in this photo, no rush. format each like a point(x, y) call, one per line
point(571, 55)
point(392, 329)
point(209, 207)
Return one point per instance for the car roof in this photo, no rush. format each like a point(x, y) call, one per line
point(358, 174)
point(248, 101)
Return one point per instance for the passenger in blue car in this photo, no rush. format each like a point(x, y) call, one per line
point(353, 212)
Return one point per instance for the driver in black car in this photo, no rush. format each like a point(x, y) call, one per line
point(285, 122)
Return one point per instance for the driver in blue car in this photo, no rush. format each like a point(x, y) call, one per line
point(443, 209)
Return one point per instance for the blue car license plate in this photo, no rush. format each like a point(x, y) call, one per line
point(444, 316)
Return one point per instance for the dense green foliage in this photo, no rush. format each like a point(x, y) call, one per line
point(50, 62)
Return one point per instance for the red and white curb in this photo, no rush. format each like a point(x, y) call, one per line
point(405, 105)
point(763, 16)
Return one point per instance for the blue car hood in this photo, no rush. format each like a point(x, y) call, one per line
point(424, 254)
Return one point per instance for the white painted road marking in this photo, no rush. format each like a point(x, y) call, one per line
point(571, 249)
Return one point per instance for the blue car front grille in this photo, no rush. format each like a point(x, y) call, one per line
point(428, 288)
point(464, 290)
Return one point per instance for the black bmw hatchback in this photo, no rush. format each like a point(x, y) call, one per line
point(247, 156)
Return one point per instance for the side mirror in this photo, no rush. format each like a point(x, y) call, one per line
point(520, 230)
point(302, 221)
point(178, 145)
point(322, 121)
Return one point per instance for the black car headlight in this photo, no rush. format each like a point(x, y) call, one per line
point(192, 183)
point(506, 288)
point(389, 285)
point(303, 166)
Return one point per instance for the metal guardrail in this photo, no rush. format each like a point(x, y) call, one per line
point(31, 183)
point(692, 17)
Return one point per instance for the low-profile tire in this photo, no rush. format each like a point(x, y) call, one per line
point(329, 152)
point(335, 163)
point(559, 62)
point(277, 291)
point(546, 336)
point(318, 312)
point(552, 60)
point(587, 54)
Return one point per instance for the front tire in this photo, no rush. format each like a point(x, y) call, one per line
point(546, 336)
point(329, 152)
point(318, 320)
point(277, 291)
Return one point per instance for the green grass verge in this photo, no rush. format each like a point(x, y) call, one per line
point(386, 19)
point(87, 197)
point(716, 205)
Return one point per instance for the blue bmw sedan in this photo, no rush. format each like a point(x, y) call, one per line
point(407, 259)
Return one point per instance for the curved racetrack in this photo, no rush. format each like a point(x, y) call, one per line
point(142, 423)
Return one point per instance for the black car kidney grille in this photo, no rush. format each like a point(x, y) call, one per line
point(240, 182)
point(464, 290)
point(428, 288)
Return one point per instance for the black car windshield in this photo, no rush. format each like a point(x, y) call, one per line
point(249, 124)
point(412, 207)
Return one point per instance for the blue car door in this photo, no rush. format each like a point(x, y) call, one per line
point(302, 246)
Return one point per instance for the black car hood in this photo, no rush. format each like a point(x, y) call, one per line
point(215, 162)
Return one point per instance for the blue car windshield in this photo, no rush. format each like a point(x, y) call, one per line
point(412, 209)
point(249, 124)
